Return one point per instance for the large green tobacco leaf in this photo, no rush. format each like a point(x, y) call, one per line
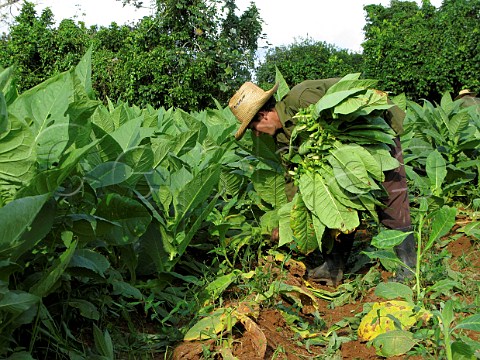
point(323, 203)
point(458, 123)
point(370, 203)
point(49, 181)
point(7, 86)
point(436, 171)
point(284, 228)
point(351, 105)
point(91, 260)
point(370, 123)
point(443, 221)
point(177, 179)
point(177, 144)
point(118, 115)
point(161, 146)
point(183, 121)
point(195, 192)
point(346, 198)
point(44, 107)
point(349, 170)
point(38, 229)
point(107, 150)
point(109, 173)
point(330, 100)
point(350, 81)
point(363, 104)
point(302, 226)
point(80, 127)
point(230, 183)
point(164, 247)
point(381, 153)
point(17, 302)
point(377, 102)
point(367, 137)
point(17, 156)
point(140, 159)
point(83, 72)
point(283, 88)
point(218, 124)
point(160, 183)
point(319, 230)
point(130, 134)
point(4, 125)
point(54, 273)
point(200, 157)
point(371, 164)
point(103, 119)
point(389, 238)
point(394, 290)
point(470, 323)
point(193, 227)
point(270, 185)
point(130, 219)
point(152, 255)
point(15, 218)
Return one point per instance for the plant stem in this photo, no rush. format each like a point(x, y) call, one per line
point(419, 255)
point(448, 345)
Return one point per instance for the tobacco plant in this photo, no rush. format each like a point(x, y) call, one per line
point(338, 153)
point(94, 200)
point(442, 140)
point(397, 338)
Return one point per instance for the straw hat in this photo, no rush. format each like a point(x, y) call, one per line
point(246, 102)
point(464, 92)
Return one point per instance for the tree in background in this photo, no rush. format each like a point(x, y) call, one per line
point(307, 59)
point(189, 53)
point(31, 43)
point(423, 51)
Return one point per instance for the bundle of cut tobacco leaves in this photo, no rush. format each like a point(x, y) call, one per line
point(340, 163)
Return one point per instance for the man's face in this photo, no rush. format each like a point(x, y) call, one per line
point(267, 122)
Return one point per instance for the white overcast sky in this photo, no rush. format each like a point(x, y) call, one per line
point(337, 22)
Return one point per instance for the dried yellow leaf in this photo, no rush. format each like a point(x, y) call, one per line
point(384, 315)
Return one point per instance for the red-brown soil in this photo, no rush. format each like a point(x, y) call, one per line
point(283, 343)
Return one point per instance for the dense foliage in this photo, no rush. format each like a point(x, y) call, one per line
point(98, 205)
point(116, 220)
point(441, 150)
point(125, 228)
point(423, 51)
point(192, 48)
point(339, 151)
point(307, 59)
point(186, 55)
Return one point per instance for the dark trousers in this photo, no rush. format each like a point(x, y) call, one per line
point(396, 214)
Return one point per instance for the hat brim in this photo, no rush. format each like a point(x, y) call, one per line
point(459, 96)
point(244, 125)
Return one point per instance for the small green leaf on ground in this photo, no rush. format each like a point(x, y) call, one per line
point(394, 343)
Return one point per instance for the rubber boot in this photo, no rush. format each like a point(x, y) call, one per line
point(333, 267)
point(407, 253)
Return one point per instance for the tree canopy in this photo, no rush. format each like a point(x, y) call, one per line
point(191, 52)
point(307, 59)
point(423, 51)
point(187, 54)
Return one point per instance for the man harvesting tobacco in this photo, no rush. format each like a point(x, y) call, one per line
point(340, 139)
